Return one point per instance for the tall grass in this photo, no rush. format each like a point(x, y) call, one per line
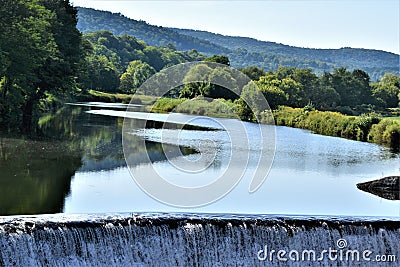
point(369, 127)
point(94, 95)
point(387, 132)
point(197, 106)
point(166, 104)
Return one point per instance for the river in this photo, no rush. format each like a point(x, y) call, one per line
point(78, 166)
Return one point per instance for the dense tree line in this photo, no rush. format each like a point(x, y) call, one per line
point(123, 63)
point(349, 92)
point(44, 57)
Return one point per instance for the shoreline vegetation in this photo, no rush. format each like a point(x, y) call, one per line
point(371, 127)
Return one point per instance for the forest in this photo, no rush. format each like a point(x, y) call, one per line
point(46, 61)
point(243, 51)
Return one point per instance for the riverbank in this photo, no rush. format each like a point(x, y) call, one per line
point(366, 128)
point(98, 96)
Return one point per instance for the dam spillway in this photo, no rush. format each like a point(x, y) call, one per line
point(159, 239)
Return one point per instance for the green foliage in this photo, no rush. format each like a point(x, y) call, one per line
point(197, 106)
point(203, 80)
point(244, 111)
point(119, 98)
point(344, 91)
point(353, 87)
point(136, 74)
point(218, 59)
point(328, 123)
point(167, 104)
point(251, 103)
point(387, 132)
point(40, 52)
point(123, 62)
point(208, 107)
point(253, 72)
point(387, 91)
point(91, 20)
point(270, 56)
point(243, 51)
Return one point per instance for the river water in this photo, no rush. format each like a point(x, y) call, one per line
point(78, 166)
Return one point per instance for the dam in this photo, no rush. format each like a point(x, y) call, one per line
point(186, 239)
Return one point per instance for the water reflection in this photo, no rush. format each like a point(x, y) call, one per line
point(36, 173)
point(35, 176)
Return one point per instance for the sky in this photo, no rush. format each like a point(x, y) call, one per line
point(304, 23)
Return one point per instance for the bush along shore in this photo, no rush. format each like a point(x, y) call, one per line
point(366, 128)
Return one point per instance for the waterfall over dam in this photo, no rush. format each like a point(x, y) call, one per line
point(158, 239)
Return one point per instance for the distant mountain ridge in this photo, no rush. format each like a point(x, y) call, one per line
point(242, 51)
point(90, 20)
point(347, 57)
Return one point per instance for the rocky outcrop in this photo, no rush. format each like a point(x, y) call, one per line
point(388, 187)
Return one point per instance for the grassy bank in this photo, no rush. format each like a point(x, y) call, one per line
point(367, 128)
point(93, 95)
point(371, 127)
point(220, 108)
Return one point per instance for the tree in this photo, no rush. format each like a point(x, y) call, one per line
point(387, 91)
point(251, 103)
point(213, 82)
point(218, 59)
point(353, 87)
point(201, 87)
point(135, 75)
point(40, 51)
point(100, 74)
point(270, 87)
point(254, 73)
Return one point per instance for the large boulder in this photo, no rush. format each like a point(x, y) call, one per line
point(388, 187)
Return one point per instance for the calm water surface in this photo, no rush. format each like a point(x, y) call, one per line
point(78, 166)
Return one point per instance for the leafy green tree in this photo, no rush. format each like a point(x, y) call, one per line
point(361, 85)
point(387, 91)
point(41, 50)
point(353, 87)
point(271, 91)
point(218, 59)
point(210, 82)
point(253, 72)
point(136, 74)
point(251, 103)
point(101, 74)
point(199, 73)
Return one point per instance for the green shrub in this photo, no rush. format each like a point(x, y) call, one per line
point(327, 122)
point(167, 104)
point(197, 106)
point(386, 132)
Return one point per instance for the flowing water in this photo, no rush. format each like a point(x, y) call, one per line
point(198, 240)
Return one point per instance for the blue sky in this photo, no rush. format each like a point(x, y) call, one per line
point(312, 23)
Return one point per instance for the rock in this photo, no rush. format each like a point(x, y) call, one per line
point(387, 188)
